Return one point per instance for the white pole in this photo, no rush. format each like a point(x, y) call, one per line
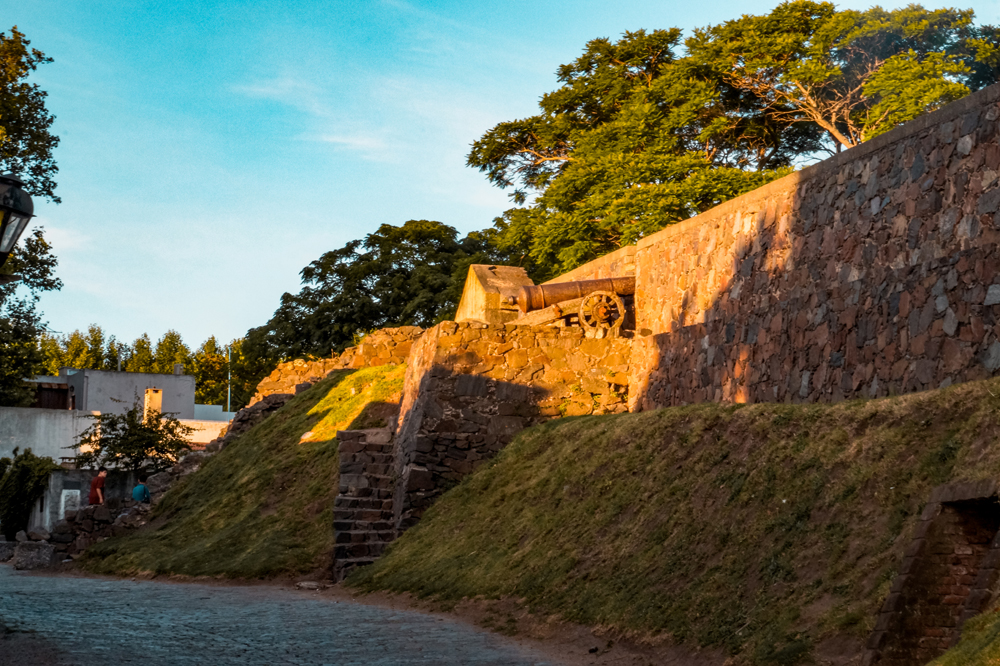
point(229, 381)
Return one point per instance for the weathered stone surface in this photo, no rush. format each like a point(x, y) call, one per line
point(38, 534)
point(844, 279)
point(34, 555)
point(7, 550)
point(471, 387)
point(383, 347)
point(21, 536)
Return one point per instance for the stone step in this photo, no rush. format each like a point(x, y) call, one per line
point(351, 502)
point(364, 536)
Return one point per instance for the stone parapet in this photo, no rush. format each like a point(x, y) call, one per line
point(471, 387)
point(387, 346)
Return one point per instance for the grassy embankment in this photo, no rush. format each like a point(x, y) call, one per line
point(760, 530)
point(263, 506)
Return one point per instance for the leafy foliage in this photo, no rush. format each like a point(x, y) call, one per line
point(648, 131)
point(133, 440)
point(20, 321)
point(22, 482)
point(407, 275)
point(26, 144)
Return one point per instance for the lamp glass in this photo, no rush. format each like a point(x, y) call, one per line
point(15, 225)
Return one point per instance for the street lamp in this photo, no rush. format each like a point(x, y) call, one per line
point(15, 211)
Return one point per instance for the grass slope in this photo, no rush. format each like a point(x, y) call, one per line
point(263, 506)
point(761, 530)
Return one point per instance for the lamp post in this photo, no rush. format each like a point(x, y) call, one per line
point(15, 211)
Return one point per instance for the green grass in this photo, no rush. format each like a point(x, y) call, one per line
point(980, 644)
point(263, 506)
point(759, 530)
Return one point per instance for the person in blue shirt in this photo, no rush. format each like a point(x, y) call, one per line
point(141, 493)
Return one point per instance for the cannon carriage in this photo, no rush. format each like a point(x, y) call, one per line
point(602, 308)
point(506, 295)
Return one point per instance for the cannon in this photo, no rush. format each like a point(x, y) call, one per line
point(595, 305)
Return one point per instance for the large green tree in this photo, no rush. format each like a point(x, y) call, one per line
point(651, 130)
point(26, 145)
point(26, 140)
point(636, 137)
point(407, 275)
point(854, 74)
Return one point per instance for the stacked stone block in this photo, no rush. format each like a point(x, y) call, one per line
point(362, 514)
point(470, 387)
point(873, 273)
point(387, 346)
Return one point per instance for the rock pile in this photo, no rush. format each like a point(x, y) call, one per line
point(95, 523)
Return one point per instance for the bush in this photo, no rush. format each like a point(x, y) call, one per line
point(23, 482)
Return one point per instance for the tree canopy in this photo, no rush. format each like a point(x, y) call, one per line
point(653, 129)
point(26, 142)
point(407, 275)
point(134, 440)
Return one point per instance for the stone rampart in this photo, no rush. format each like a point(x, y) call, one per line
point(470, 387)
point(386, 346)
point(872, 273)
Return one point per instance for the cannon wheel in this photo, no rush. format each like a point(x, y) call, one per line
point(601, 314)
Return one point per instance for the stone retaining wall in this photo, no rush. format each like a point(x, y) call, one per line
point(382, 347)
point(874, 272)
point(471, 387)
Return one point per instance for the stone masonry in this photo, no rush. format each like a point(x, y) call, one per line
point(362, 514)
point(946, 577)
point(387, 346)
point(470, 387)
point(875, 272)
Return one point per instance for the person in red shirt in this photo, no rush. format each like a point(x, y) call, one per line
point(97, 486)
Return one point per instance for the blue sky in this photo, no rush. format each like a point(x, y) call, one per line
point(210, 150)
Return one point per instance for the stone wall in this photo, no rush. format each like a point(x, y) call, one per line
point(470, 387)
point(382, 347)
point(619, 263)
point(872, 273)
point(947, 576)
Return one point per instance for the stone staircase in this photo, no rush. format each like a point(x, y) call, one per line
point(362, 513)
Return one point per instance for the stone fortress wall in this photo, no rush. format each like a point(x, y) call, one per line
point(470, 387)
point(872, 273)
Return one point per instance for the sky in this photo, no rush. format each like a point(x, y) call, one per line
point(211, 149)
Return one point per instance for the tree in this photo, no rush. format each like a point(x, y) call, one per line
point(26, 146)
point(210, 369)
point(26, 142)
point(408, 275)
point(141, 359)
point(854, 74)
point(170, 350)
point(636, 137)
point(93, 350)
point(134, 440)
point(20, 321)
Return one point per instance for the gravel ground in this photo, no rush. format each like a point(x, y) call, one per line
point(74, 621)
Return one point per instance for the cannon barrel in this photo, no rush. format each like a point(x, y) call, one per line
point(542, 296)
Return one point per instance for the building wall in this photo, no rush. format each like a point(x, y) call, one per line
point(47, 432)
point(112, 392)
point(470, 387)
point(874, 272)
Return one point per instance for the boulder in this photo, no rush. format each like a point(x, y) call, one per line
point(21, 537)
point(39, 534)
point(7, 550)
point(158, 483)
point(102, 515)
point(34, 555)
point(62, 527)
